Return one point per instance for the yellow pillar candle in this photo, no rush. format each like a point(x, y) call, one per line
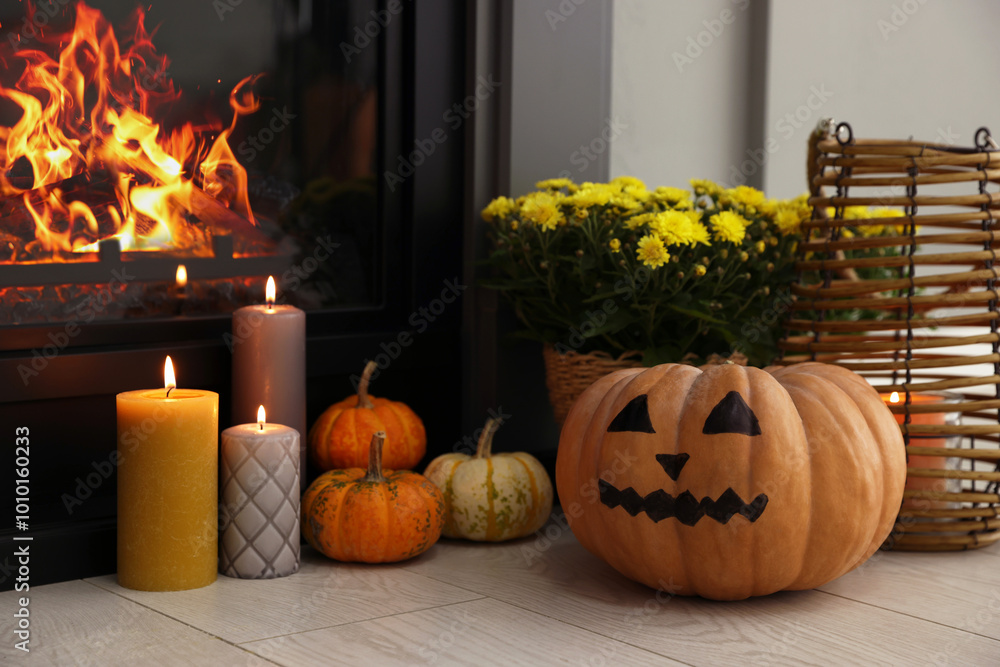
point(168, 487)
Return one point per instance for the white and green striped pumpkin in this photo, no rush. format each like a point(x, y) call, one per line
point(492, 497)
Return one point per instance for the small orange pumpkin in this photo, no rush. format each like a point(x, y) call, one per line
point(340, 437)
point(373, 515)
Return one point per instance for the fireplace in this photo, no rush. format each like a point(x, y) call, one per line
point(160, 162)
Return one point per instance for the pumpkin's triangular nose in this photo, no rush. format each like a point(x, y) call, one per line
point(672, 463)
point(732, 415)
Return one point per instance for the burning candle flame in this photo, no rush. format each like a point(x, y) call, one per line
point(894, 397)
point(169, 381)
point(269, 292)
point(261, 417)
point(182, 276)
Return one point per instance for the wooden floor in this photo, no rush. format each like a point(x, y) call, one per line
point(531, 602)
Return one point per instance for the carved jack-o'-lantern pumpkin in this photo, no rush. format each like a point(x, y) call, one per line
point(733, 481)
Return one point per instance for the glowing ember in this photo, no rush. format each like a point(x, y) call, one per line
point(86, 110)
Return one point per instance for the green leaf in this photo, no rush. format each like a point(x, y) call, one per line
point(697, 314)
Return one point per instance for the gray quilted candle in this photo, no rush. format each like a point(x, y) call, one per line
point(259, 511)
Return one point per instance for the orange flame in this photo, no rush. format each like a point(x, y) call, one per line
point(90, 109)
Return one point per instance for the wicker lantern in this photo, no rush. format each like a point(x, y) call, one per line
point(924, 325)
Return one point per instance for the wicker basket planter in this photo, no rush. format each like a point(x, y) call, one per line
point(567, 374)
point(949, 198)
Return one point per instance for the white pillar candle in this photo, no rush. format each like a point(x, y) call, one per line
point(259, 511)
point(269, 366)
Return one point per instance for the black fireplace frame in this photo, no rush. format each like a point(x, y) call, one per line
point(423, 72)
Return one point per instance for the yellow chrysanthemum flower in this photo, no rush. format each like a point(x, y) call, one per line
point(890, 213)
point(675, 197)
point(855, 212)
point(500, 207)
point(705, 187)
point(591, 194)
point(637, 221)
point(556, 184)
point(744, 195)
point(615, 245)
point(542, 208)
point(871, 230)
point(770, 207)
point(651, 251)
point(885, 213)
point(700, 270)
point(638, 192)
point(728, 226)
point(677, 228)
point(625, 202)
point(628, 182)
point(787, 221)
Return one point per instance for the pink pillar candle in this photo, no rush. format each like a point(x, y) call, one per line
point(269, 367)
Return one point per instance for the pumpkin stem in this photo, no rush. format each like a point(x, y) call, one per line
point(366, 377)
point(374, 473)
point(486, 438)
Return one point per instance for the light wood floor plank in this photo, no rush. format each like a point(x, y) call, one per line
point(481, 632)
point(321, 594)
point(561, 579)
point(75, 623)
point(961, 590)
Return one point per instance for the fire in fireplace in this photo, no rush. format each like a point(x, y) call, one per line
point(105, 162)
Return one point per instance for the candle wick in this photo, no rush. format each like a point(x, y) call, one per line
point(170, 389)
point(261, 425)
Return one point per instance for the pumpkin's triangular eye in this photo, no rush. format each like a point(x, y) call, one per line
point(732, 415)
point(633, 417)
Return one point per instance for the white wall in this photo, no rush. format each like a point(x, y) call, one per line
point(924, 68)
point(892, 68)
point(685, 116)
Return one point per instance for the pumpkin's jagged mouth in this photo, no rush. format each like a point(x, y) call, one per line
point(687, 509)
